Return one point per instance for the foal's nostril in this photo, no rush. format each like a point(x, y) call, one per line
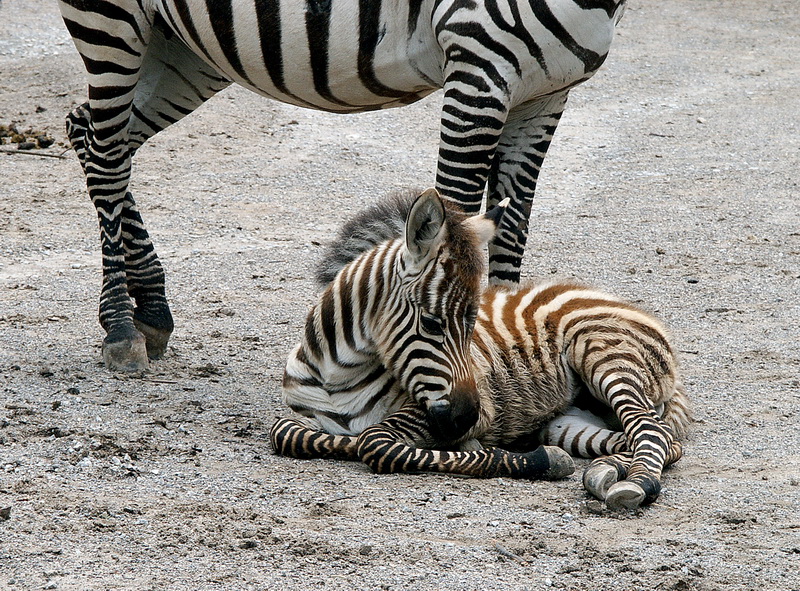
point(451, 421)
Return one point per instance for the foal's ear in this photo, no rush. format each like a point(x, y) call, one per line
point(425, 225)
point(485, 225)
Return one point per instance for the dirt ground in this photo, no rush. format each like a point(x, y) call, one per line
point(673, 181)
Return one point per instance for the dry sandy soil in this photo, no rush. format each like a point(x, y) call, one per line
point(673, 181)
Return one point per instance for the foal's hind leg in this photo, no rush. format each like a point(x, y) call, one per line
point(605, 478)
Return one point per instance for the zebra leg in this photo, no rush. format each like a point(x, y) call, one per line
point(515, 172)
point(635, 480)
point(610, 472)
point(134, 73)
point(143, 271)
point(395, 445)
point(290, 437)
point(99, 133)
point(173, 83)
point(474, 111)
point(618, 374)
point(583, 434)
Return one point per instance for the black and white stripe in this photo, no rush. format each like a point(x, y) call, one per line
point(383, 331)
point(506, 67)
point(401, 364)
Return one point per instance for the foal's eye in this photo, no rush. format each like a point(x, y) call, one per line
point(432, 324)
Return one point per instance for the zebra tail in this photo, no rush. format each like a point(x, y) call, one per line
point(677, 413)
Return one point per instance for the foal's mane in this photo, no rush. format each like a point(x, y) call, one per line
point(386, 220)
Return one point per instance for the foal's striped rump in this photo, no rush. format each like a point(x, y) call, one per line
point(558, 363)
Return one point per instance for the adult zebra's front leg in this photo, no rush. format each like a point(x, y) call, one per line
point(474, 111)
point(520, 152)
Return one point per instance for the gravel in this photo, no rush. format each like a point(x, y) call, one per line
point(672, 181)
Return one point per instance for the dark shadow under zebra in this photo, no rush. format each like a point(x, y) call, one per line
point(403, 329)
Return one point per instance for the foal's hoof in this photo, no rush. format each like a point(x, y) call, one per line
point(625, 495)
point(561, 463)
point(598, 479)
point(126, 355)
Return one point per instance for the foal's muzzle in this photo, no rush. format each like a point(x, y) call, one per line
point(449, 420)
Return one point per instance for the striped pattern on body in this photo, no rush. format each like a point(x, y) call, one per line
point(506, 67)
point(558, 363)
point(544, 347)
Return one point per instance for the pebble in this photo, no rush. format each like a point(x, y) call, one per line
point(596, 507)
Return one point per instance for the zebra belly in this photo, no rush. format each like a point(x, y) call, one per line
point(318, 55)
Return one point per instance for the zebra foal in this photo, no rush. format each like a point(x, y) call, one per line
point(402, 332)
point(506, 67)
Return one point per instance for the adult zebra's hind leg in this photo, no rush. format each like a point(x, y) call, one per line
point(141, 79)
point(401, 442)
point(112, 40)
point(515, 171)
point(290, 437)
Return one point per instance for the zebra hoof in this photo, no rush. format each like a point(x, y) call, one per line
point(560, 462)
point(625, 495)
point(128, 355)
point(597, 480)
point(156, 339)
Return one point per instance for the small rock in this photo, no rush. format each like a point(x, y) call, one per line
point(246, 544)
point(660, 251)
point(365, 550)
point(55, 405)
point(596, 507)
point(692, 280)
point(42, 141)
point(5, 513)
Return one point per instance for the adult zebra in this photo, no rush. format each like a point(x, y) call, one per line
point(506, 67)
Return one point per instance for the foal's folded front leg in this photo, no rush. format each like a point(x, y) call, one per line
point(402, 443)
